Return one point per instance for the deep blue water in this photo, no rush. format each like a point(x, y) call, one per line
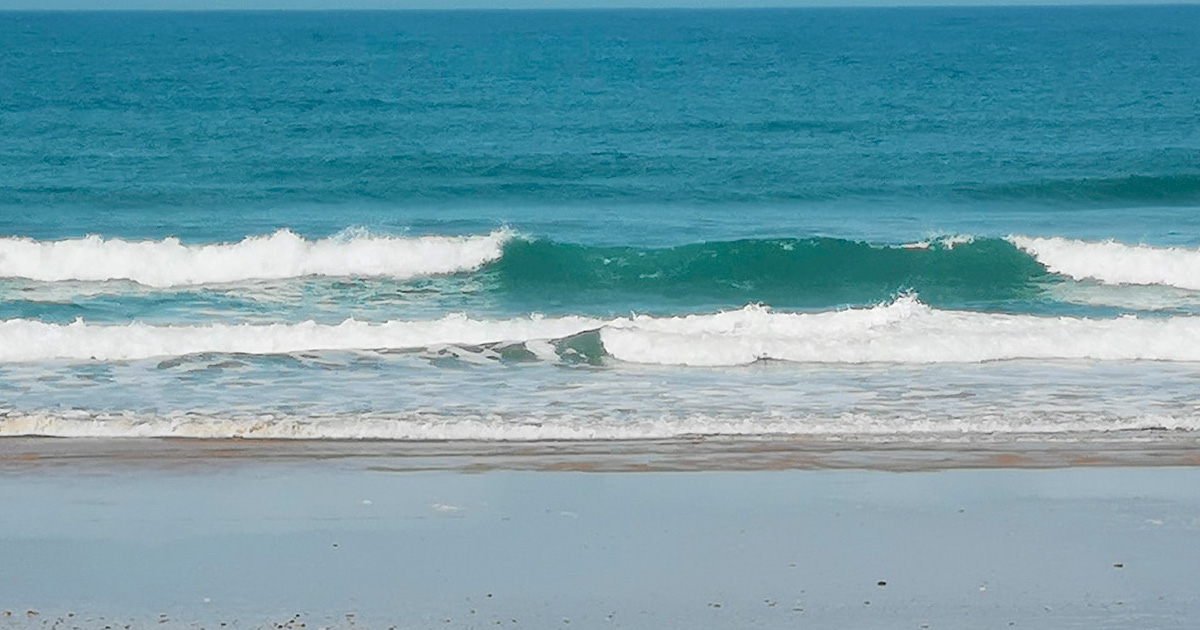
point(983, 171)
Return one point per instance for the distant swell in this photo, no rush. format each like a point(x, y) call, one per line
point(169, 262)
point(1133, 189)
point(904, 331)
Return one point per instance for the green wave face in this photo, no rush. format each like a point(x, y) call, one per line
point(797, 273)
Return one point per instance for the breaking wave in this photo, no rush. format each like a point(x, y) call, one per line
point(1116, 263)
point(903, 331)
point(284, 254)
point(792, 273)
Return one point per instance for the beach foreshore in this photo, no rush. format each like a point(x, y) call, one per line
point(918, 453)
point(153, 533)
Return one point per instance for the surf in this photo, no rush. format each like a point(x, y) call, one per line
point(817, 272)
point(903, 331)
point(912, 426)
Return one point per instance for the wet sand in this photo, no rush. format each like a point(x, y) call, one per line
point(182, 534)
point(699, 454)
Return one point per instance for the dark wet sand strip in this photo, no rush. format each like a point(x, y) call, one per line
point(699, 454)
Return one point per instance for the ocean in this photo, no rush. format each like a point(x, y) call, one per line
point(933, 225)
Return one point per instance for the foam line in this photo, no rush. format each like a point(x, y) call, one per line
point(569, 428)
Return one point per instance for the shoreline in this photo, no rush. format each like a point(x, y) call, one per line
point(679, 455)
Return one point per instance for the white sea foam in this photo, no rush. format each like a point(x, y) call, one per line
point(30, 340)
point(1133, 297)
point(904, 331)
point(284, 254)
point(565, 427)
point(1111, 262)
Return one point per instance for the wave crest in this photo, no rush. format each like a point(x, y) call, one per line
point(1111, 262)
point(284, 254)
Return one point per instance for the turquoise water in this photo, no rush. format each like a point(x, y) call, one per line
point(599, 224)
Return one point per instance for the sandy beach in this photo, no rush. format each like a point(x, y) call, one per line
point(239, 534)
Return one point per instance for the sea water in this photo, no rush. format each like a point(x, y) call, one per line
point(918, 224)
